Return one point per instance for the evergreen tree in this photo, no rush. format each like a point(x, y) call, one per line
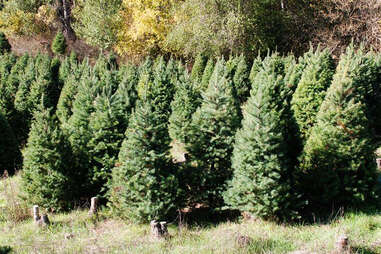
point(211, 137)
point(145, 185)
point(71, 74)
point(10, 156)
point(338, 161)
point(198, 68)
point(14, 118)
point(311, 90)
point(206, 75)
point(241, 80)
point(79, 132)
point(43, 86)
point(7, 61)
point(5, 47)
point(263, 175)
point(161, 91)
point(255, 68)
point(48, 177)
point(59, 44)
point(21, 102)
point(183, 106)
point(107, 126)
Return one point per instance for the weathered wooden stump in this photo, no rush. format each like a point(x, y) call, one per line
point(36, 213)
point(159, 229)
point(44, 221)
point(342, 244)
point(94, 206)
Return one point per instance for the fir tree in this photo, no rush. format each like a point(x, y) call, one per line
point(198, 68)
point(338, 160)
point(241, 80)
point(183, 106)
point(211, 137)
point(263, 174)
point(255, 68)
point(71, 74)
point(311, 90)
point(59, 44)
point(206, 75)
point(145, 185)
point(10, 156)
point(48, 177)
point(107, 126)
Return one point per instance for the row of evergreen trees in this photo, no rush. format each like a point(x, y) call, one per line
point(278, 138)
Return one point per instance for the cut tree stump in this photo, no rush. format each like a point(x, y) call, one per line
point(159, 229)
point(36, 213)
point(44, 221)
point(342, 244)
point(94, 206)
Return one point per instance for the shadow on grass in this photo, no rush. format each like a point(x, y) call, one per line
point(205, 217)
point(5, 249)
point(362, 250)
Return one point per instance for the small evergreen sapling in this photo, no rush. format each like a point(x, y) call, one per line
point(59, 44)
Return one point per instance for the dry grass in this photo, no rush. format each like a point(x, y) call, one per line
point(76, 232)
point(12, 207)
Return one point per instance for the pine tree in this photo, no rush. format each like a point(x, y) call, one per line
point(338, 161)
point(59, 44)
point(311, 90)
point(5, 47)
point(183, 106)
point(10, 156)
point(211, 138)
point(48, 176)
point(263, 175)
point(145, 185)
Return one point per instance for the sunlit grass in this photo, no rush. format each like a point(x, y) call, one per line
point(76, 232)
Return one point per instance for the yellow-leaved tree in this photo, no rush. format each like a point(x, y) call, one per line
point(143, 26)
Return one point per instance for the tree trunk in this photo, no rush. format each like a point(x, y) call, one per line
point(64, 13)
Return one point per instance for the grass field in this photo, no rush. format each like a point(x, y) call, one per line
point(76, 232)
